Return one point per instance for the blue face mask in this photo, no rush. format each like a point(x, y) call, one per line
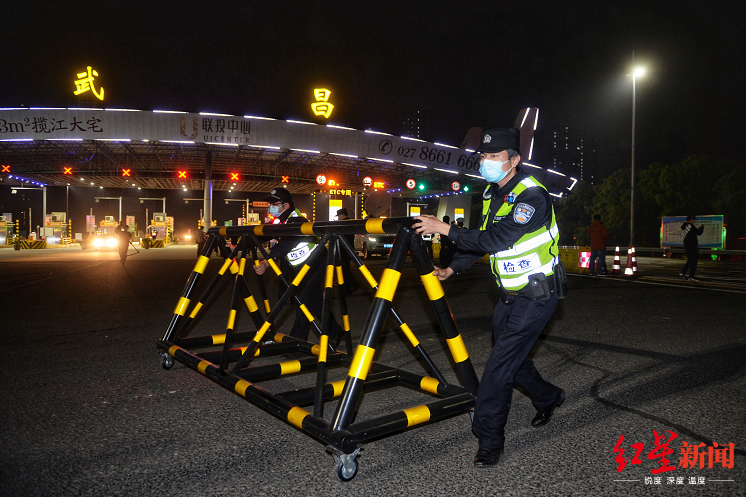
point(492, 170)
point(274, 210)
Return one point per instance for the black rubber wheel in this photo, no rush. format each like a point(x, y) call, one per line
point(166, 361)
point(366, 253)
point(346, 473)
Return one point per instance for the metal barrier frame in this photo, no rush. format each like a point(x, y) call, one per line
point(342, 436)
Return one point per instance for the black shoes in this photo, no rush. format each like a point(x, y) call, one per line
point(487, 457)
point(543, 417)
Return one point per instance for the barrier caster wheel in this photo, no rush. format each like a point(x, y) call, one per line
point(346, 472)
point(166, 361)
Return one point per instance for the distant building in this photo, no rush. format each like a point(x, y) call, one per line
point(574, 155)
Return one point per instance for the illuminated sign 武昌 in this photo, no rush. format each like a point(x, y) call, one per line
point(84, 83)
point(321, 107)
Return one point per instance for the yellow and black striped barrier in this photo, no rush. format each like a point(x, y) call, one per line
point(236, 368)
point(36, 244)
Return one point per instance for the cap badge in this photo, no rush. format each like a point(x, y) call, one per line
point(487, 138)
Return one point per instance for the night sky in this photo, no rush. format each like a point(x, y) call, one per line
point(461, 64)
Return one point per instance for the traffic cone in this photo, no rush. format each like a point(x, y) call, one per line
point(630, 270)
point(617, 267)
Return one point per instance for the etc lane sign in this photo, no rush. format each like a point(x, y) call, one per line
point(119, 124)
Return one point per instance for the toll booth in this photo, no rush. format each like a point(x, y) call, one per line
point(54, 228)
point(6, 228)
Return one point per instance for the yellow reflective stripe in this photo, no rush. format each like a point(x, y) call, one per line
point(296, 415)
point(340, 275)
point(410, 336)
point(223, 231)
point(243, 349)
point(195, 310)
point(201, 264)
point(315, 350)
point(278, 337)
point(387, 287)
point(274, 267)
point(429, 384)
point(323, 347)
point(225, 266)
point(329, 276)
point(374, 226)
point(172, 350)
point(259, 230)
point(306, 228)
point(218, 339)
point(181, 306)
point(432, 286)
point(251, 303)
point(266, 306)
point(202, 366)
point(231, 319)
point(308, 314)
point(301, 274)
point(338, 386)
point(417, 415)
point(262, 331)
point(361, 362)
point(241, 386)
point(242, 267)
point(371, 280)
point(346, 322)
point(458, 348)
point(234, 267)
point(289, 367)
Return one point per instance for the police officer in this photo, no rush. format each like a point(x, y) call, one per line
point(519, 231)
point(290, 253)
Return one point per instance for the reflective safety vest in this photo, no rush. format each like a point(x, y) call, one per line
point(534, 252)
point(302, 250)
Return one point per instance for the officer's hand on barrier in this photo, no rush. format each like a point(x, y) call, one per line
point(259, 269)
point(442, 274)
point(427, 225)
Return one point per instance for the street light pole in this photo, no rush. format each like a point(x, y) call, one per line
point(635, 72)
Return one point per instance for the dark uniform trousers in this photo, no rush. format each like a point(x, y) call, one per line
point(516, 324)
point(311, 293)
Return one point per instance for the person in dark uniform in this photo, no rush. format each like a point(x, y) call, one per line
point(123, 241)
point(290, 253)
point(691, 245)
point(519, 230)
point(200, 239)
point(351, 283)
point(446, 247)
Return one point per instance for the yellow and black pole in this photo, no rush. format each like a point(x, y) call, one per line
point(445, 318)
point(183, 304)
point(326, 314)
point(313, 259)
point(399, 321)
point(342, 297)
point(366, 349)
point(260, 277)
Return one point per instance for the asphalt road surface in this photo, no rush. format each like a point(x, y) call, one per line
point(88, 410)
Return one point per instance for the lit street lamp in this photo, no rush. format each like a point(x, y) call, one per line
point(638, 71)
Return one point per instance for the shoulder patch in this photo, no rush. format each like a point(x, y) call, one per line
point(522, 213)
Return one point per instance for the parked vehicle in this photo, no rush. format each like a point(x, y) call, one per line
point(374, 244)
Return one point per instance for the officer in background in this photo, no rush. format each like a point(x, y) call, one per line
point(691, 245)
point(351, 283)
point(518, 229)
point(289, 253)
point(123, 242)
